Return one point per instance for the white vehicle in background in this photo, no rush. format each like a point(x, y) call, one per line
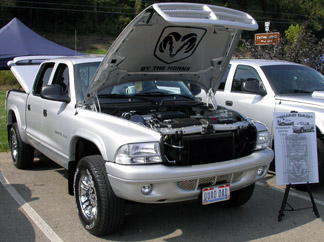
point(285, 122)
point(302, 127)
point(128, 126)
point(258, 88)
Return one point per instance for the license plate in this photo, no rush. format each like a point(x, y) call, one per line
point(215, 194)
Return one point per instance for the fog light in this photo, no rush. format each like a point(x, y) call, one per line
point(147, 189)
point(261, 170)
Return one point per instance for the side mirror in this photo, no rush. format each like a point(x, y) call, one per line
point(252, 86)
point(55, 93)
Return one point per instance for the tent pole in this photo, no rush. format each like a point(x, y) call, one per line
point(75, 41)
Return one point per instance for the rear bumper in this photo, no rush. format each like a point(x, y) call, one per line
point(172, 184)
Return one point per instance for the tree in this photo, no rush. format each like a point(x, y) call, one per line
point(299, 45)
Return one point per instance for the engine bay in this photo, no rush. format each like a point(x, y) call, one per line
point(195, 134)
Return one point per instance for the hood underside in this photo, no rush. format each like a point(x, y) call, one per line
point(174, 41)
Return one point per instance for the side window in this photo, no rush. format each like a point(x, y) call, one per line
point(61, 77)
point(245, 73)
point(224, 78)
point(43, 77)
point(83, 74)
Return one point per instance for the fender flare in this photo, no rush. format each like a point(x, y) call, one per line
point(89, 136)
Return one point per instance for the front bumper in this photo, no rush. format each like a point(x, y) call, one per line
point(180, 183)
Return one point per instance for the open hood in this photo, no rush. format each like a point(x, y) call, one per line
point(174, 41)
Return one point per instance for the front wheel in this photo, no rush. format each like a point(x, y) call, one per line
point(100, 210)
point(22, 154)
point(238, 197)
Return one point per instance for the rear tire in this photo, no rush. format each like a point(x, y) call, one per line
point(22, 154)
point(100, 210)
point(238, 197)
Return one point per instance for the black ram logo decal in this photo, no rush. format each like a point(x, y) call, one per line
point(175, 43)
point(174, 46)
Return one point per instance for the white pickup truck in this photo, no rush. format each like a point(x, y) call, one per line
point(258, 88)
point(129, 127)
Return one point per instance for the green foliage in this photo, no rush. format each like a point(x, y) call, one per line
point(311, 11)
point(292, 33)
point(306, 49)
point(138, 6)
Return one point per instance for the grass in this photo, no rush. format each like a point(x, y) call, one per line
point(7, 81)
point(3, 130)
point(95, 52)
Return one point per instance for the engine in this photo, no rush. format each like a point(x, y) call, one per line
point(198, 135)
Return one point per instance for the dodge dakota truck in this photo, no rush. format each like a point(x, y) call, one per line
point(258, 88)
point(129, 127)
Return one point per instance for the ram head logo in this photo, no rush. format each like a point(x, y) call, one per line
point(174, 46)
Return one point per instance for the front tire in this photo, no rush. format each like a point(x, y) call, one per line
point(100, 210)
point(238, 197)
point(22, 154)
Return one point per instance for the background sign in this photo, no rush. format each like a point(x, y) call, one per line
point(295, 148)
point(267, 38)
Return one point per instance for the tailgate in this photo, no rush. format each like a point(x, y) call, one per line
point(25, 69)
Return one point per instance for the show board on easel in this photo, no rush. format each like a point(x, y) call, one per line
point(295, 148)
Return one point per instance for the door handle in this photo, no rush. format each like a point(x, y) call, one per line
point(44, 112)
point(228, 103)
point(28, 107)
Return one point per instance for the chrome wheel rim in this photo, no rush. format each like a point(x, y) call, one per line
point(87, 196)
point(14, 145)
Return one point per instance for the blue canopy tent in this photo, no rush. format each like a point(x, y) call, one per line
point(16, 39)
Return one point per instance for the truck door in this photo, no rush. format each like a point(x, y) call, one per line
point(253, 105)
point(34, 112)
point(56, 116)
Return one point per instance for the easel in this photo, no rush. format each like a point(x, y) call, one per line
point(284, 202)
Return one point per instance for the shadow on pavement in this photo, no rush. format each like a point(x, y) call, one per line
point(14, 224)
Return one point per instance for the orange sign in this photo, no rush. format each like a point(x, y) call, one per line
point(267, 38)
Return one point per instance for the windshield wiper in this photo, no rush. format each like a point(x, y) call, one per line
point(122, 96)
point(113, 96)
point(153, 93)
point(163, 94)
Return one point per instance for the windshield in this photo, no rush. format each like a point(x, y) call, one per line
point(83, 76)
point(293, 79)
point(148, 88)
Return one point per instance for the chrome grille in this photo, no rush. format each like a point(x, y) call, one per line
point(209, 181)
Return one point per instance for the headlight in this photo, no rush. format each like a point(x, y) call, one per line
point(263, 140)
point(263, 136)
point(139, 153)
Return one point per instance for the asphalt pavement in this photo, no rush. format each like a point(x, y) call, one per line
point(35, 206)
